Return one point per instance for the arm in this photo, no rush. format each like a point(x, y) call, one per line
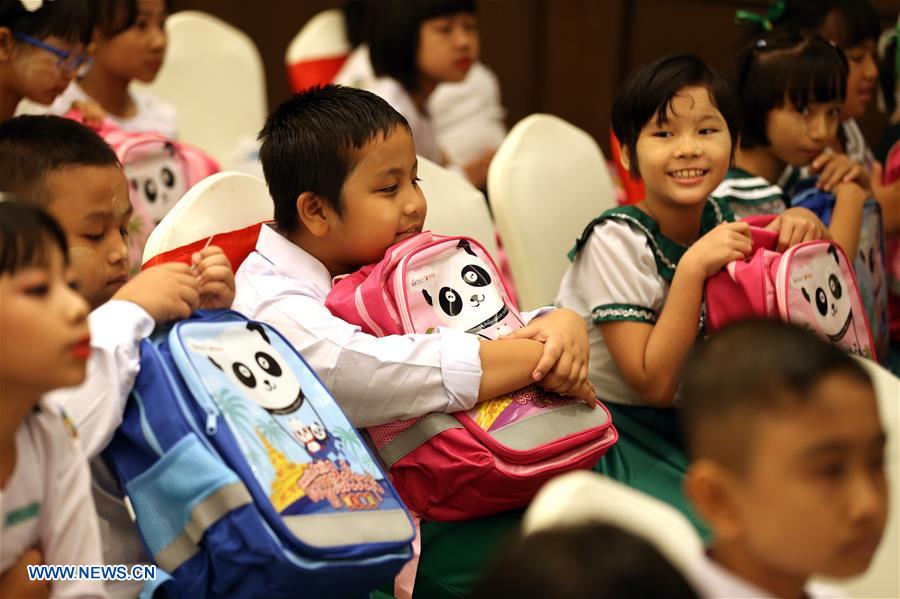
point(846, 219)
point(888, 196)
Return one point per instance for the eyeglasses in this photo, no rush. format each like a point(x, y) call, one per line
point(67, 62)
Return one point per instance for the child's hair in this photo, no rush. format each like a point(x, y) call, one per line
point(746, 370)
point(70, 20)
point(786, 65)
point(308, 144)
point(33, 146)
point(112, 17)
point(355, 21)
point(858, 19)
point(566, 562)
point(26, 234)
point(650, 91)
point(393, 34)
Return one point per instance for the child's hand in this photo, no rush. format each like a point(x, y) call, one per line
point(583, 392)
point(167, 292)
point(216, 279)
point(724, 244)
point(563, 366)
point(14, 582)
point(92, 113)
point(796, 225)
point(834, 168)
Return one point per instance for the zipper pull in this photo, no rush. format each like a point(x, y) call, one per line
point(211, 426)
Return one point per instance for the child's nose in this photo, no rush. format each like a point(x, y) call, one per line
point(78, 308)
point(868, 496)
point(689, 146)
point(870, 68)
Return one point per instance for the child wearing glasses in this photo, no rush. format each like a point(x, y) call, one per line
point(42, 47)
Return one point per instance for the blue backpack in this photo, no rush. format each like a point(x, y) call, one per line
point(243, 475)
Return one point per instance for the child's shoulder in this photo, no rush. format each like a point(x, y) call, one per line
point(739, 185)
point(616, 225)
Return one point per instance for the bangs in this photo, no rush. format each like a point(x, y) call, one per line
point(115, 16)
point(27, 236)
point(815, 75)
point(440, 8)
point(858, 23)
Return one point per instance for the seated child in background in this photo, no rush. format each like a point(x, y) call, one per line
point(341, 168)
point(129, 44)
point(45, 493)
point(41, 50)
point(69, 170)
point(677, 122)
point(568, 562)
point(787, 461)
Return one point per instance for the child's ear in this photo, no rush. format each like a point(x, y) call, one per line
point(625, 157)
point(314, 213)
point(6, 44)
point(710, 489)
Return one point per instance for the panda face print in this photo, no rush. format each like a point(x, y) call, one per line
point(257, 370)
point(156, 182)
point(829, 296)
point(462, 292)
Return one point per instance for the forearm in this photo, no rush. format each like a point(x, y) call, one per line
point(507, 366)
point(889, 199)
point(846, 223)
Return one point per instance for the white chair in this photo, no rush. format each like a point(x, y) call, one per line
point(581, 497)
point(220, 203)
point(213, 73)
point(455, 206)
point(546, 182)
point(318, 50)
point(882, 579)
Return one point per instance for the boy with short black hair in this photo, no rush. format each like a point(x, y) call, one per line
point(787, 453)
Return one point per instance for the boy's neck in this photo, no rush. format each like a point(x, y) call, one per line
point(17, 404)
point(681, 224)
point(760, 162)
point(110, 91)
point(735, 558)
point(313, 246)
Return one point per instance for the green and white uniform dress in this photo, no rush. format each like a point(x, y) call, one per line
point(749, 195)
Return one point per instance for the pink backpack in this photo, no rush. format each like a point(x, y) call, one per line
point(495, 456)
point(811, 284)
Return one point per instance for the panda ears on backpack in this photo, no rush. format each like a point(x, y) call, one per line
point(833, 251)
point(464, 245)
point(255, 326)
point(428, 299)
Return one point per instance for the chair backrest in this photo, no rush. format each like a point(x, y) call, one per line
point(213, 74)
point(582, 497)
point(318, 51)
point(546, 182)
point(455, 206)
point(223, 202)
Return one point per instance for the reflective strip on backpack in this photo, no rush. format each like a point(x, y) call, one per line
point(548, 425)
point(205, 514)
point(416, 435)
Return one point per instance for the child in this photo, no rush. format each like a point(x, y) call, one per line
point(356, 194)
point(41, 49)
point(787, 461)
point(129, 44)
point(67, 168)
point(45, 499)
point(676, 120)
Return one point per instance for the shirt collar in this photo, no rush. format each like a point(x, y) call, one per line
point(292, 261)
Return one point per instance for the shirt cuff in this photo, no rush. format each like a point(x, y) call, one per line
point(536, 313)
point(118, 323)
point(460, 368)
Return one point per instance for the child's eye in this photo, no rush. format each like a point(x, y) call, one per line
point(388, 189)
point(124, 232)
point(39, 290)
point(831, 471)
point(94, 238)
point(834, 112)
point(708, 131)
point(416, 181)
point(662, 134)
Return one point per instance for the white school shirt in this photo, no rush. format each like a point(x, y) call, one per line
point(47, 502)
point(712, 581)
point(622, 272)
point(96, 407)
point(375, 380)
point(468, 116)
point(152, 114)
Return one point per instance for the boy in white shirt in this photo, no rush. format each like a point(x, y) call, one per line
point(787, 453)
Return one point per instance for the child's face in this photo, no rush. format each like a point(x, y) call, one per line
point(137, 52)
point(44, 341)
point(92, 205)
point(383, 203)
point(448, 46)
point(796, 137)
point(35, 73)
point(814, 498)
point(683, 160)
point(862, 80)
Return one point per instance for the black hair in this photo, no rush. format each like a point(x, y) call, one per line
point(355, 21)
point(32, 146)
point(308, 144)
point(786, 65)
point(565, 562)
point(393, 34)
point(26, 235)
point(748, 369)
point(887, 74)
point(70, 20)
point(858, 20)
point(649, 92)
point(115, 16)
